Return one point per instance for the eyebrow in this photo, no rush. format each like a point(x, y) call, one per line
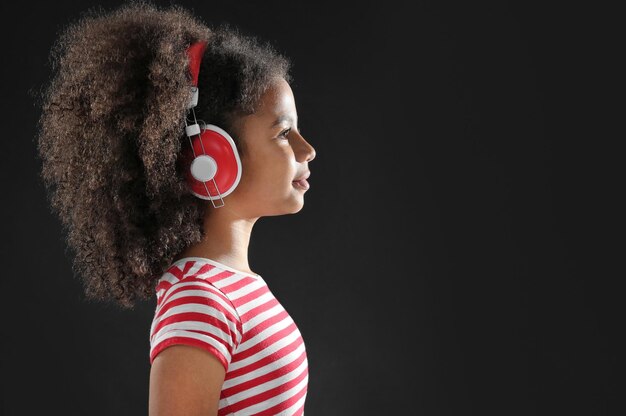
point(282, 118)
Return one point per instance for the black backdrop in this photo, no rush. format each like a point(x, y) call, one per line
point(452, 255)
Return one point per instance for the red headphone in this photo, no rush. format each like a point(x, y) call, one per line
point(215, 169)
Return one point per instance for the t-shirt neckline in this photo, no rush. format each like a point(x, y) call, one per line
point(218, 264)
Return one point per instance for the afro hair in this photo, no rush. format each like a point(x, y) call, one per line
point(112, 128)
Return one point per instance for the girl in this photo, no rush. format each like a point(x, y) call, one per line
point(162, 142)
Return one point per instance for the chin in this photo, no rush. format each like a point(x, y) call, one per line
point(295, 204)
point(298, 209)
point(291, 205)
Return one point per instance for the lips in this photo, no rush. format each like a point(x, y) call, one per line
point(302, 177)
point(301, 182)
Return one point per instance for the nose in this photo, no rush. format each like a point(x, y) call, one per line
point(306, 152)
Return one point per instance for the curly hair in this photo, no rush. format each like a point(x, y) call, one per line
point(111, 133)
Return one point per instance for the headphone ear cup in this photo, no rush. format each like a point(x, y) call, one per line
point(216, 162)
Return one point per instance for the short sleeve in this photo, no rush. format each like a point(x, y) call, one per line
point(196, 313)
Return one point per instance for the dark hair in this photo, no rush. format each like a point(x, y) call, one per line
point(112, 130)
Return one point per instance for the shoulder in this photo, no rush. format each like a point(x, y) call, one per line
point(194, 312)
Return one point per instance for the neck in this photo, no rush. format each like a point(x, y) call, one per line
point(227, 237)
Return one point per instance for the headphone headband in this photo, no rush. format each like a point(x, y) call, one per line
point(195, 52)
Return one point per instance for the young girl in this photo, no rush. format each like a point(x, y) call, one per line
point(162, 143)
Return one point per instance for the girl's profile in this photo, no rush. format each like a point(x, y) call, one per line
point(163, 140)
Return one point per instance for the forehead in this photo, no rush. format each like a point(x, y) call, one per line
point(278, 101)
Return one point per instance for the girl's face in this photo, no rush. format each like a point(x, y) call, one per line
point(275, 154)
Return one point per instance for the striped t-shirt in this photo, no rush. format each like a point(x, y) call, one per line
point(235, 317)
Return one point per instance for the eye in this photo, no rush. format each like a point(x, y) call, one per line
point(284, 133)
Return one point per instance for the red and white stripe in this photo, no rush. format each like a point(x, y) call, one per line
point(234, 316)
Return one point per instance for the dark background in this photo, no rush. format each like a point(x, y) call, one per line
point(454, 252)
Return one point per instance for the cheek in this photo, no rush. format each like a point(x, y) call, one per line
point(269, 170)
point(278, 174)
